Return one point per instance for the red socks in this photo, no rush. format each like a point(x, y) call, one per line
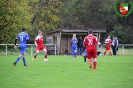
point(105, 52)
point(109, 53)
point(94, 64)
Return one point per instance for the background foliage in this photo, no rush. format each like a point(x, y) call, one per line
point(47, 15)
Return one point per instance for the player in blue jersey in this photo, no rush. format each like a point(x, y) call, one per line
point(74, 45)
point(22, 37)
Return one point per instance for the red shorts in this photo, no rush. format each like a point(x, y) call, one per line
point(107, 47)
point(40, 48)
point(92, 54)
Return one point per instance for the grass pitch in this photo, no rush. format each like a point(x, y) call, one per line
point(66, 72)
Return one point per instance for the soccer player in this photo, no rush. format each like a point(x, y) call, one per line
point(107, 46)
point(90, 41)
point(22, 37)
point(40, 46)
point(74, 45)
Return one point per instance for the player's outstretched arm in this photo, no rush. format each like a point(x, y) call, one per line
point(15, 47)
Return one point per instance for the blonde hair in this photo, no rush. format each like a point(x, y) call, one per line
point(74, 35)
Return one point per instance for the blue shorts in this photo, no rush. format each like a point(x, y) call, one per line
point(22, 49)
point(84, 53)
point(74, 47)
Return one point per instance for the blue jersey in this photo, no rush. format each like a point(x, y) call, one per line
point(74, 41)
point(84, 53)
point(22, 37)
point(74, 44)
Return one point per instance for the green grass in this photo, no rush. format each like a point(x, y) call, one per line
point(66, 72)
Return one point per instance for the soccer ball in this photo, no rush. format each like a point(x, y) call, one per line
point(46, 60)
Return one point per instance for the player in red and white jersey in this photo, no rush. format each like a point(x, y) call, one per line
point(107, 46)
point(90, 41)
point(40, 46)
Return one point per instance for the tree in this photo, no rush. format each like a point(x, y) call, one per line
point(45, 14)
point(14, 14)
point(83, 14)
point(97, 14)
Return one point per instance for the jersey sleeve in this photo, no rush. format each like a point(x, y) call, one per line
point(17, 37)
point(27, 37)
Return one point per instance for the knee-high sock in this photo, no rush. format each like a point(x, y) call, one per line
point(24, 61)
point(95, 64)
point(18, 58)
point(75, 54)
point(72, 53)
point(105, 52)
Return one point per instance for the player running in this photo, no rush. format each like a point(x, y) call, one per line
point(107, 46)
point(74, 45)
point(22, 37)
point(40, 46)
point(90, 41)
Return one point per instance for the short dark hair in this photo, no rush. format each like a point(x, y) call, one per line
point(90, 31)
point(23, 29)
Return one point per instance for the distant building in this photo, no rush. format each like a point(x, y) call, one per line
point(62, 37)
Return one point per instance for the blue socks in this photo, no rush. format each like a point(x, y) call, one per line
point(73, 54)
point(17, 59)
point(23, 58)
